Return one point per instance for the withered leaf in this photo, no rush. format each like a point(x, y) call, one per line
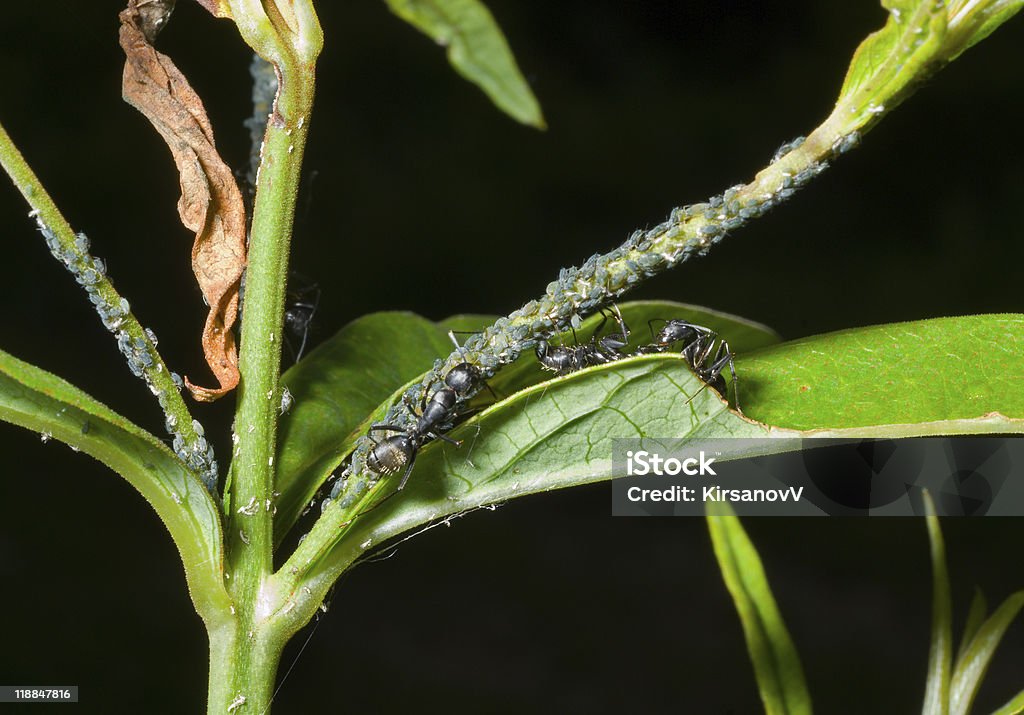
point(210, 204)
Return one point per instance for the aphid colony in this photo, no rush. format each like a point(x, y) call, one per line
point(90, 273)
point(698, 350)
point(602, 278)
point(439, 409)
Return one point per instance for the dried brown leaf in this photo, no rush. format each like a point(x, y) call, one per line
point(210, 204)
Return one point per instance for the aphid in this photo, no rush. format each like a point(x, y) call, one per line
point(564, 359)
point(699, 351)
point(286, 400)
point(787, 148)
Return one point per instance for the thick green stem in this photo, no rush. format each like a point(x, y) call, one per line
point(243, 661)
point(243, 666)
point(252, 471)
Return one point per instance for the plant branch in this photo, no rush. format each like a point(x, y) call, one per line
point(290, 40)
point(137, 344)
point(266, 278)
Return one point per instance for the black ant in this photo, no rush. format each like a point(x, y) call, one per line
point(565, 359)
point(298, 315)
point(699, 351)
point(435, 414)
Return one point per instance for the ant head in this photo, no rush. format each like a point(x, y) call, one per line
point(677, 330)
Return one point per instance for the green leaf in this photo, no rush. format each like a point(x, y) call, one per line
point(346, 384)
point(919, 38)
point(1014, 707)
point(975, 617)
point(40, 401)
point(780, 677)
point(552, 435)
point(477, 50)
point(896, 55)
point(940, 654)
point(558, 433)
point(335, 388)
point(946, 369)
point(973, 21)
point(891, 60)
point(973, 664)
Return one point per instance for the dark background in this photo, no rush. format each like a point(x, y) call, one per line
point(427, 198)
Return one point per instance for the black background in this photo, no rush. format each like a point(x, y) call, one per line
point(427, 198)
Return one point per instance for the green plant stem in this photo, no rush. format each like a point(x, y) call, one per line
point(242, 685)
point(157, 375)
point(260, 355)
point(243, 660)
point(250, 534)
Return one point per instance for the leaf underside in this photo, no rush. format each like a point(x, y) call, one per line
point(345, 384)
point(900, 380)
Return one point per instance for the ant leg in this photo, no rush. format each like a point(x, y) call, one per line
point(613, 343)
point(693, 397)
point(735, 377)
point(446, 438)
point(423, 399)
point(600, 326)
point(411, 407)
point(469, 452)
point(312, 311)
point(722, 358)
point(713, 373)
point(697, 351)
point(608, 348)
point(650, 325)
point(405, 477)
point(302, 305)
point(495, 396)
point(624, 329)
